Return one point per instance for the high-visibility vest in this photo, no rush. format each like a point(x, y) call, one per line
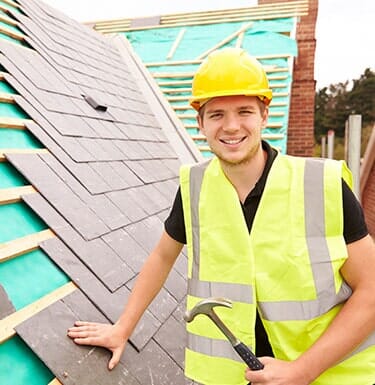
point(288, 267)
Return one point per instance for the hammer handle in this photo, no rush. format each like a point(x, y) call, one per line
point(248, 356)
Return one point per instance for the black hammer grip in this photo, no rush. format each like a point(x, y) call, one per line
point(248, 356)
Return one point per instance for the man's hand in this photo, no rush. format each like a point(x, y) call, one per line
point(277, 372)
point(98, 334)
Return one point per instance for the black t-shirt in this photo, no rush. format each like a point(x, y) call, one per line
point(354, 227)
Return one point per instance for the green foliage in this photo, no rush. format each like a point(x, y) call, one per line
point(335, 103)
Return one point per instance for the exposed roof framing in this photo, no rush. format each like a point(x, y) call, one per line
point(263, 12)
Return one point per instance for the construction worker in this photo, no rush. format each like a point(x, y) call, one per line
point(283, 237)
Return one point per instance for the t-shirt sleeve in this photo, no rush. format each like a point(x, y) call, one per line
point(174, 225)
point(355, 227)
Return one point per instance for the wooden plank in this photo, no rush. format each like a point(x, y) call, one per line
point(12, 34)
point(176, 43)
point(125, 28)
point(8, 20)
point(8, 324)
point(288, 9)
point(226, 40)
point(18, 123)
point(11, 3)
point(4, 151)
point(23, 245)
point(239, 40)
point(13, 194)
point(6, 98)
point(55, 381)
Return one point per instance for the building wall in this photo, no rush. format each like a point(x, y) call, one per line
point(301, 113)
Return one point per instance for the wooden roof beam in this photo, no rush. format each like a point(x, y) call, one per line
point(14, 194)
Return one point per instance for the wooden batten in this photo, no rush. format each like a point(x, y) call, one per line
point(176, 43)
point(4, 151)
point(23, 245)
point(9, 323)
point(17, 123)
point(13, 194)
point(6, 98)
point(12, 34)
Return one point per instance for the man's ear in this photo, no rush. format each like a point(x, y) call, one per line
point(200, 124)
point(265, 118)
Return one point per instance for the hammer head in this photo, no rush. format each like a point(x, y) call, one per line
point(205, 307)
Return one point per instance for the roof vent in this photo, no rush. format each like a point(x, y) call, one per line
point(95, 103)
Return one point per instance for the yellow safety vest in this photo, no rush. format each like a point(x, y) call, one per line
point(288, 267)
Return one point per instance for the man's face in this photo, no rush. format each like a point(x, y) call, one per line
point(233, 125)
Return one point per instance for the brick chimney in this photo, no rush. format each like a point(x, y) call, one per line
point(301, 113)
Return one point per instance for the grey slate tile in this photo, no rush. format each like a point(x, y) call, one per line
point(67, 124)
point(127, 175)
point(174, 346)
point(72, 364)
point(163, 304)
point(89, 178)
point(59, 195)
point(6, 306)
point(176, 283)
point(72, 146)
point(147, 232)
point(155, 362)
point(132, 149)
point(96, 255)
point(124, 201)
point(127, 248)
point(99, 204)
point(110, 304)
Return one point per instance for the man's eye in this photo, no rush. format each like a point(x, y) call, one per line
point(245, 112)
point(215, 116)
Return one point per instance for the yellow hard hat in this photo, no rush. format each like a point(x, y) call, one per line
point(226, 72)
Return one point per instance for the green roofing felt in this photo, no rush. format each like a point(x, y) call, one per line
point(13, 138)
point(20, 366)
point(5, 87)
point(269, 40)
point(12, 111)
point(19, 221)
point(10, 177)
point(29, 277)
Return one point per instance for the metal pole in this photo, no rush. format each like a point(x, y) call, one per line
point(354, 150)
point(330, 143)
point(323, 147)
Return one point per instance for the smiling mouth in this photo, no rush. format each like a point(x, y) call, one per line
point(232, 141)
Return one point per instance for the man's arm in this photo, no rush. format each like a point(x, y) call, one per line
point(148, 284)
point(354, 322)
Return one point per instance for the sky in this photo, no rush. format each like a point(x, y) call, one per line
point(345, 36)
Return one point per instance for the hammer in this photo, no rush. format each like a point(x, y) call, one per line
point(206, 307)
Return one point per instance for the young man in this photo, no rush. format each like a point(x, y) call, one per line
point(282, 237)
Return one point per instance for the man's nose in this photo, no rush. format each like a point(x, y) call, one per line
point(231, 123)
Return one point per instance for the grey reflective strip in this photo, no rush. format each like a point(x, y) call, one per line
point(237, 292)
point(319, 257)
point(212, 347)
point(196, 178)
point(302, 310)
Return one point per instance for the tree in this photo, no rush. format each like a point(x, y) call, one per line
point(335, 103)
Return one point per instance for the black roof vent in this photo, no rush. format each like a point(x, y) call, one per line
point(95, 103)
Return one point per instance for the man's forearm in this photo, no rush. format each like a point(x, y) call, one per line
point(149, 282)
